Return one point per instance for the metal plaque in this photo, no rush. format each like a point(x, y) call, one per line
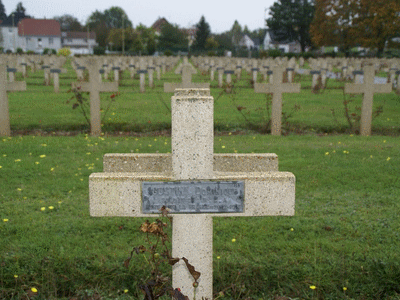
point(193, 196)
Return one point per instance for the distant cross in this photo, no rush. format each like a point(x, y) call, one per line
point(368, 88)
point(5, 87)
point(186, 83)
point(265, 192)
point(95, 87)
point(277, 88)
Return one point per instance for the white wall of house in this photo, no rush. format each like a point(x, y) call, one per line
point(10, 38)
point(76, 43)
point(267, 43)
point(39, 43)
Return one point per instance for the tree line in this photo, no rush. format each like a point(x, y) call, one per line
point(312, 23)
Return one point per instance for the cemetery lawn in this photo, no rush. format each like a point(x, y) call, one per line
point(342, 243)
point(39, 109)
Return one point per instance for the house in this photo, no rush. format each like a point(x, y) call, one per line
point(284, 46)
point(79, 42)
point(159, 24)
point(9, 32)
point(247, 42)
point(38, 34)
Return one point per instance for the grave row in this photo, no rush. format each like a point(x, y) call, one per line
point(276, 87)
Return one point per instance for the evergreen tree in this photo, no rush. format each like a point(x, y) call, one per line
point(3, 15)
point(290, 21)
point(202, 34)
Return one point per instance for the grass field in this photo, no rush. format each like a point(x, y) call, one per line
point(342, 242)
point(40, 109)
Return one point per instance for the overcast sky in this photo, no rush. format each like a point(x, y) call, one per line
point(219, 14)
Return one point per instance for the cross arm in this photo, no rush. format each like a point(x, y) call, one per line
point(263, 88)
point(16, 86)
point(353, 88)
point(383, 88)
point(108, 87)
point(119, 194)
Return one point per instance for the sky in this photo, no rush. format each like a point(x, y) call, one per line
point(220, 15)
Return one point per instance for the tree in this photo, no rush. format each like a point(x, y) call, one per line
point(20, 8)
point(172, 37)
point(376, 23)
point(224, 41)
point(103, 22)
point(131, 37)
point(116, 17)
point(236, 33)
point(290, 21)
point(69, 23)
point(333, 23)
point(3, 15)
point(202, 34)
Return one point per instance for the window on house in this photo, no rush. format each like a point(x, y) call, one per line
point(39, 43)
point(50, 41)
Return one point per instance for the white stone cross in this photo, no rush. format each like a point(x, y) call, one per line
point(95, 87)
point(368, 88)
point(5, 87)
point(186, 83)
point(119, 193)
point(277, 88)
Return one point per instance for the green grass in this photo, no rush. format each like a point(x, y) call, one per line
point(40, 109)
point(345, 230)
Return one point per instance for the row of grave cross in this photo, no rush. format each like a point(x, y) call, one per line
point(276, 87)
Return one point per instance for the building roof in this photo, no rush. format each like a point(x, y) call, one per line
point(159, 23)
point(39, 27)
point(78, 35)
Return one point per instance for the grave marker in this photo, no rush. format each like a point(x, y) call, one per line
point(192, 164)
point(5, 87)
point(368, 88)
point(186, 82)
point(277, 88)
point(95, 87)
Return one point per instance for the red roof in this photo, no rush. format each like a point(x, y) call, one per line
point(39, 27)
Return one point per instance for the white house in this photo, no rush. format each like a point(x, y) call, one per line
point(38, 34)
point(285, 46)
point(247, 42)
point(79, 42)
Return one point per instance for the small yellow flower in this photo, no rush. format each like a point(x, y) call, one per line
point(230, 133)
point(36, 163)
point(19, 189)
point(371, 156)
point(223, 147)
point(43, 208)
point(384, 141)
point(155, 140)
point(0, 167)
point(339, 143)
point(4, 155)
point(17, 160)
point(52, 169)
point(113, 114)
point(313, 287)
point(34, 290)
point(334, 151)
point(387, 159)
point(254, 137)
point(125, 291)
point(15, 276)
point(5, 220)
point(43, 145)
point(59, 202)
point(149, 145)
point(42, 156)
point(344, 288)
point(326, 153)
point(218, 257)
point(81, 179)
point(235, 151)
point(51, 207)
point(233, 240)
point(88, 153)
point(291, 229)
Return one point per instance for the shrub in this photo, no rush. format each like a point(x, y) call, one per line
point(168, 52)
point(49, 51)
point(20, 51)
point(274, 53)
point(99, 50)
point(64, 52)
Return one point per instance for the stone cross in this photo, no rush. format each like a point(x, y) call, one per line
point(121, 191)
point(5, 87)
point(368, 88)
point(95, 87)
point(186, 82)
point(277, 88)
